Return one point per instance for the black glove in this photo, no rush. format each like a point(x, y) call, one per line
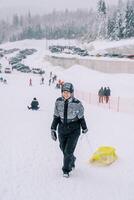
point(53, 135)
point(84, 131)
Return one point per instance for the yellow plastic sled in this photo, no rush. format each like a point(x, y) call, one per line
point(104, 155)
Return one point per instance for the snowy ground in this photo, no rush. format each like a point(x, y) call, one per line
point(106, 45)
point(30, 162)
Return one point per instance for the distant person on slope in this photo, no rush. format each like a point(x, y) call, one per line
point(105, 93)
point(101, 95)
point(42, 80)
point(69, 117)
point(30, 82)
point(34, 105)
point(108, 93)
point(49, 82)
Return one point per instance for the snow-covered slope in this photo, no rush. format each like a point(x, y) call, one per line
point(30, 162)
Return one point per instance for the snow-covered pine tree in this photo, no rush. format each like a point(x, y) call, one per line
point(102, 19)
point(15, 21)
point(101, 7)
point(110, 28)
point(118, 27)
point(129, 20)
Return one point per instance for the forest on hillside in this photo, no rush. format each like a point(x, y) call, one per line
point(106, 22)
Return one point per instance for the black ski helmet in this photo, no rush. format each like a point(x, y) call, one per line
point(67, 87)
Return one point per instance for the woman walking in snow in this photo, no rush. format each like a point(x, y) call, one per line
point(69, 117)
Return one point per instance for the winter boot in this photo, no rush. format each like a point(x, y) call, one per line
point(66, 174)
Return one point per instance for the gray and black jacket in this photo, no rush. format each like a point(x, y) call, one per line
point(69, 115)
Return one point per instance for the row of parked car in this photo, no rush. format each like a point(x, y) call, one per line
point(7, 51)
point(16, 60)
point(21, 55)
point(68, 50)
point(26, 69)
point(83, 52)
point(115, 55)
point(23, 68)
point(16, 64)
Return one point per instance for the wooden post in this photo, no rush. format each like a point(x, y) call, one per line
point(109, 103)
point(118, 104)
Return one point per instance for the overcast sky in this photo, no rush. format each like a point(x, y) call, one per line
point(58, 4)
point(39, 6)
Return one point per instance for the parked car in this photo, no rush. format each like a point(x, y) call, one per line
point(14, 60)
point(8, 70)
point(18, 65)
point(38, 71)
point(21, 68)
point(130, 56)
point(25, 70)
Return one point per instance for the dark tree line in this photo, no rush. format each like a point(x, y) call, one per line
point(106, 22)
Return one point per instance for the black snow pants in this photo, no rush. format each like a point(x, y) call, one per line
point(68, 144)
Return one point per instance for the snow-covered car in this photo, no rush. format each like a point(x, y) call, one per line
point(38, 71)
point(23, 68)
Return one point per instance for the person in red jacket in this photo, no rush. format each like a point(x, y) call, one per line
point(30, 82)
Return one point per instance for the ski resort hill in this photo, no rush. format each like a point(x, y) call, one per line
point(30, 162)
